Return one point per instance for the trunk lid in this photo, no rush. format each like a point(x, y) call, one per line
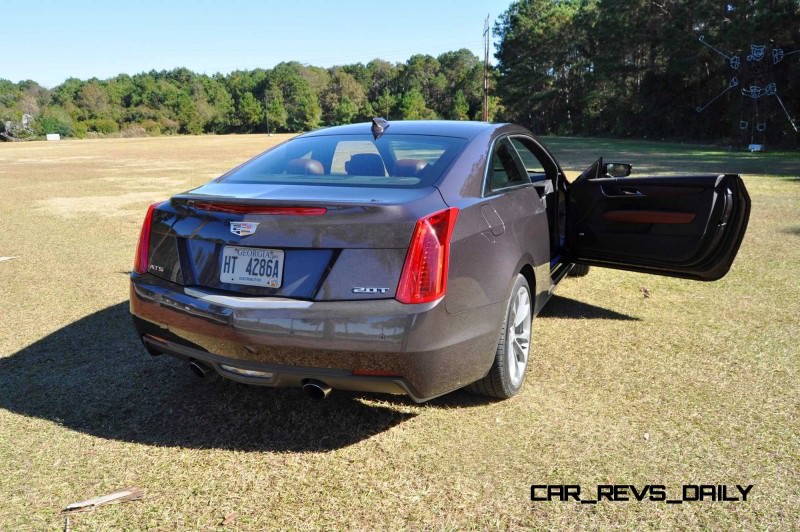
point(328, 242)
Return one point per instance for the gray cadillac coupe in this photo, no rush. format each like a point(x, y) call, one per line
point(405, 257)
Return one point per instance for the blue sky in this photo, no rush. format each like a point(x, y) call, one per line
point(49, 41)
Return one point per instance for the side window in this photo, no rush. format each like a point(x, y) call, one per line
point(532, 163)
point(505, 170)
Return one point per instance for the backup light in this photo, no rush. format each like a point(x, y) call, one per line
point(424, 276)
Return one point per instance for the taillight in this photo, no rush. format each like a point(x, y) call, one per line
point(424, 276)
point(142, 260)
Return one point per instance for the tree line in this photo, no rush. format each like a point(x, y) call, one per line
point(623, 68)
point(638, 68)
point(290, 97)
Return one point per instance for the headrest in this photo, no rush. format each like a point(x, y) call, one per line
point(408, 167)
point(304, 167)
point(367, 164)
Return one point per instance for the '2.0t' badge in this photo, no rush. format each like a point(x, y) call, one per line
point(243, 228)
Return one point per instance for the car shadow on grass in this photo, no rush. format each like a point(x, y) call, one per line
point(564, 307)
point(792, 230)
point(93, 376)
point(456, 399)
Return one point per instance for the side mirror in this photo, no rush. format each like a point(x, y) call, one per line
point(617, 169)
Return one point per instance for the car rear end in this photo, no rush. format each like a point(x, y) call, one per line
point(312, 265)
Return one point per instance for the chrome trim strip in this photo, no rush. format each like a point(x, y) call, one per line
point(247, 302)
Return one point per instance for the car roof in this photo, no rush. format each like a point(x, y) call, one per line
point(441, 128)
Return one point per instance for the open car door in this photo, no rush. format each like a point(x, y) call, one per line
point(680, 226)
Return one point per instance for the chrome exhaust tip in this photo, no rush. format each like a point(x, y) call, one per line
point(316, 390)
point(202, 370)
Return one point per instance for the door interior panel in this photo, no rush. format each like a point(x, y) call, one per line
point(649, 217)
point(688, 226)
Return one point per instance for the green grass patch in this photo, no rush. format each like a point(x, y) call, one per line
point(650, 157)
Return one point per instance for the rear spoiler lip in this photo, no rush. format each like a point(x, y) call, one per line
point(187, 200)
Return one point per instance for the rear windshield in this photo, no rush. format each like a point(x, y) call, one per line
point(352, 160)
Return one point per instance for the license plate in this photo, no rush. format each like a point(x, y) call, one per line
point(252, 266)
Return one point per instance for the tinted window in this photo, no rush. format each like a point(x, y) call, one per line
point(532, 163)
point(505, 171)
point(353, 160)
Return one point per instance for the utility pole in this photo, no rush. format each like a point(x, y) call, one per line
point(266, 111)
point(486, 69)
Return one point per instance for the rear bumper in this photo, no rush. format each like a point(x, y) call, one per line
point(264, 374)
point(418, 350)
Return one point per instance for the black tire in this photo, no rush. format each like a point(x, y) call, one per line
point(579, 270)
point(507, 375)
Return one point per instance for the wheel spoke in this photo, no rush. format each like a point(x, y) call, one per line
point(520, 350)
point(522, 308)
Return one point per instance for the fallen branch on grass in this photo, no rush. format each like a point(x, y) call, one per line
point(129, 494)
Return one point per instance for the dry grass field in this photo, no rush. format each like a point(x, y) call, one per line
point(696, 383)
